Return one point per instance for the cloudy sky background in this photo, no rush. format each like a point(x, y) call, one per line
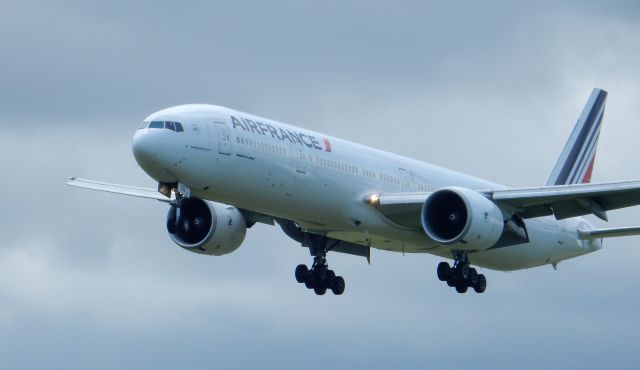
point(91, 280)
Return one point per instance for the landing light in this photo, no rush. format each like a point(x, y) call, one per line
point(373, 199)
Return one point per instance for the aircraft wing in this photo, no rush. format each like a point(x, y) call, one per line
point(148, 193)
point(401, 208)
point(567, 201)
point(133, 191)
point(562, 201)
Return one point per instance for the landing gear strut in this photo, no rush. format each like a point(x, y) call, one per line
point(462, 276)
point(319, 277)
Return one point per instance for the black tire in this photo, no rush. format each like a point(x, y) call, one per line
point(451, 280)
point(330, 277)
point(444, 270)
point(338, 285)
point(461, 288)
point(302, 273)
point(320, 290)
point(481, 285)
point(462, 272)
point(309, 284)
point(319, 274)
point(473, 277)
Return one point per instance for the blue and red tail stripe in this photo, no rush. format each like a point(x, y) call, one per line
point(575, 164)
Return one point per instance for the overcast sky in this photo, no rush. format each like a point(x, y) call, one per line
point(90, 280)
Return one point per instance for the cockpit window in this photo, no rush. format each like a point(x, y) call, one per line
point(169, 125)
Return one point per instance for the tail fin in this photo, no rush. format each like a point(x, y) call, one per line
point(575, 164)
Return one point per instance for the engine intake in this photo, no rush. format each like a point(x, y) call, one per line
point(206, 227)
point(462, 218)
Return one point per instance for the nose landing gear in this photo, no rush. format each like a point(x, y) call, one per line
point(462, 276)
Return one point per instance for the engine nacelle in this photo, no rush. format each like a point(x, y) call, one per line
point(462, 219)
point(206, 227)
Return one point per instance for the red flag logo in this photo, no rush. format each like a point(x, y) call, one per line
point(327, 145)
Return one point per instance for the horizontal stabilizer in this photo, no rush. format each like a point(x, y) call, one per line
point(133, 191)
point(608, 233)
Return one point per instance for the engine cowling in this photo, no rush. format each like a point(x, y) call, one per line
point(462, 219)
point(206, 227)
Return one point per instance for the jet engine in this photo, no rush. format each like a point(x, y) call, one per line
point(462, 219)
point(206, 227)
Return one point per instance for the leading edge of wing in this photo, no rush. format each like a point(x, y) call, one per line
point(540, 195)
point(563, 201)
point(567, 201)
point(133, 191)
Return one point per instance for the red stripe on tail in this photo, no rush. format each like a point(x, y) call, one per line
point(587, 176)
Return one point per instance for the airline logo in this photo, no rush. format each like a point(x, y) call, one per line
point(278, 133)
point(575, 164)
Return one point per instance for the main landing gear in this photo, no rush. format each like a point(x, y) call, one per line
point(319, 277)
point(462, 276)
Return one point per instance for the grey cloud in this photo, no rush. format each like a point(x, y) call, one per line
point(92, 280)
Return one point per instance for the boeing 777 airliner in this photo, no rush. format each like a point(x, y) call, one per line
point(221, 171)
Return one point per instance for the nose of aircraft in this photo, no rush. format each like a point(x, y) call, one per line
point(145, 147)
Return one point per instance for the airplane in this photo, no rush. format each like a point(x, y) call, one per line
point(221, 171)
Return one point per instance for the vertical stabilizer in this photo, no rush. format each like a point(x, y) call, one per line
point(575, 164)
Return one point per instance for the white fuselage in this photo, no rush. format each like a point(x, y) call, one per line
point(321, 182)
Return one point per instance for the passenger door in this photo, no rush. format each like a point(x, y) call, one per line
point(407, 180)
point(301, 158)
point(224, 138)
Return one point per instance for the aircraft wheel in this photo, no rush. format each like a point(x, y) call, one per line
point(330, 277)
point(302, 273)
point(320, 290)
point(461, 288)
point(462, 272)
point(473, 277)
point(338, 285)
point(319, 274)
point(481, 284)
point(444, 270)
point(451, 281)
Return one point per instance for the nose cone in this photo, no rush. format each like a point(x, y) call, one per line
point(145, 147)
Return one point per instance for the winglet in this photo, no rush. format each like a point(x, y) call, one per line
point(575, 164)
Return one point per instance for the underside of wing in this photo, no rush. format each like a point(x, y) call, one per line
point(403, 209)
